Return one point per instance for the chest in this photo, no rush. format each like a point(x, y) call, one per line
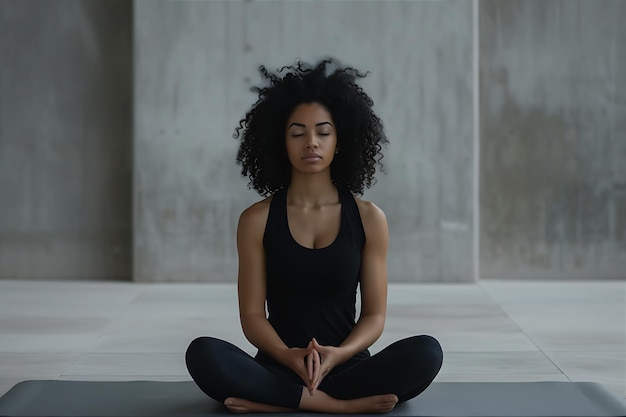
point(316, 227)
point(311, 253)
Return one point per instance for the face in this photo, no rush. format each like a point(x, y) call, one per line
point(311, 138)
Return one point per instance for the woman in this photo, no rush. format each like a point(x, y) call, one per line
point(309, 143)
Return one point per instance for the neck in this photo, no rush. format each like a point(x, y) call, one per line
point(311, 190)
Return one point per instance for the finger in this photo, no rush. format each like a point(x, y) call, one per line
point(321, 350)
point(317, 384)
point(318, 380)
point(309, 366)
point(318, 377)
point(303, 374)
point(316, 371)
point(317, 346)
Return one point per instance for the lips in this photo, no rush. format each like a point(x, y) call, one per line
point(311, 156)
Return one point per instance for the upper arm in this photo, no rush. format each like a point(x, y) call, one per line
point(374, 260)
point(251, 280)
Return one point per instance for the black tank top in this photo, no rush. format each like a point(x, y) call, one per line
point(312, 292)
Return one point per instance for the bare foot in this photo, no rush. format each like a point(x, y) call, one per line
point(323, 403)
point(319, 402)
point(374, 404)
point(239, 405)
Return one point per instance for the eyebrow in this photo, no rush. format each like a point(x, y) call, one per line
point(302, 125)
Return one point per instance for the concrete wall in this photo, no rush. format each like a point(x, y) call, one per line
point(553, 139)
point(65, 139)
point(194, 64)
point(79, 161)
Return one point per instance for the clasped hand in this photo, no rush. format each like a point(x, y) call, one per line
point(313, 363)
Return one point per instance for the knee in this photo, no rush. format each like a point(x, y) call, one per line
point(197, 347)
point(205, 366)
point(428, 353)
point(434, 352)
point(201, 353)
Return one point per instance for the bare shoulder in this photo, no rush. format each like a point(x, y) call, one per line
point(372, 216)
point(253, 219)
point(257, 210)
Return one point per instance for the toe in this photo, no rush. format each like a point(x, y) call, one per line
point(236, 409)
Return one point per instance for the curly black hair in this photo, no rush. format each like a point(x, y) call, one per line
point(262, 153)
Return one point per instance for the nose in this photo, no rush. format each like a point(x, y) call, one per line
point(311, 142)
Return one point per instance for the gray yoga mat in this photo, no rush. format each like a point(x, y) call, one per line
point(178, 399)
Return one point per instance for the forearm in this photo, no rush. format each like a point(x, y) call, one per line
point(366, 331)
point(262, 335)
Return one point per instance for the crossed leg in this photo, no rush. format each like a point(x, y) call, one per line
point(217, 367)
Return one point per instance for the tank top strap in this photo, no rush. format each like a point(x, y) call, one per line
point(276, 219)
point(351, 216)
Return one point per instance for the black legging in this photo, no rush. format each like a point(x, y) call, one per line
point(222, 370)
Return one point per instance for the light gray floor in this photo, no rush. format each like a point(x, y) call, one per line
point(491, 331)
